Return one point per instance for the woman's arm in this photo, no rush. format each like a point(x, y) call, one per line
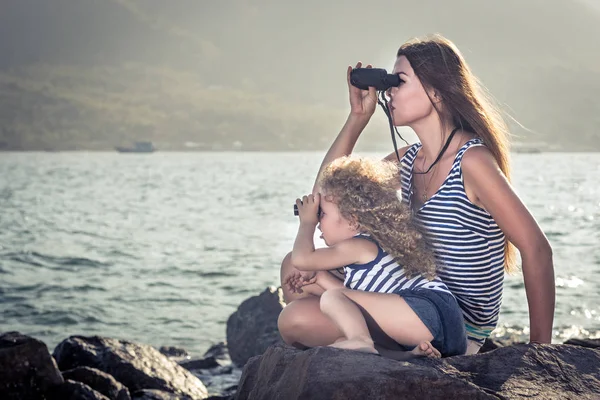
point(344, 142)
point(487, 187)
point(362, 107)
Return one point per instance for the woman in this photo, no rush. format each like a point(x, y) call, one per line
point(457, 182)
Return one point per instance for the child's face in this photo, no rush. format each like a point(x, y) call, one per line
point(333, 226)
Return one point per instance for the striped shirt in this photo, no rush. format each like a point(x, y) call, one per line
point(467, 242)
point(384, 275)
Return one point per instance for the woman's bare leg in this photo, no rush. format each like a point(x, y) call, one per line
point(288, 295)
point(301, 323)
point(395, 317)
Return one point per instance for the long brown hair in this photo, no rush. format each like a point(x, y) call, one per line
point(440, 67)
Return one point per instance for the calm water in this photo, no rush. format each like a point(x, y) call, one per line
point(162, 248)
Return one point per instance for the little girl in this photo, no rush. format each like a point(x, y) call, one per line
point(389, 272)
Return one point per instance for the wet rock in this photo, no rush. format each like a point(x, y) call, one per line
point(591, 343)
point(27, 369)
point(253, 327)
point(493, 344)
point(153, 394)
point(71, 390)
point(517, 371)
point(137, 366)
point(173, 352)
point(204, 363)
point(99, 381)
point(219, 351)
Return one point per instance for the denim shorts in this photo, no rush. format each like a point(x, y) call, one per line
point(442, 315)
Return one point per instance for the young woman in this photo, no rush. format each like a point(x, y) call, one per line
point(464, 201)
point(389, 270)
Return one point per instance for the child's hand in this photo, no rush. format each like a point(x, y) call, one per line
point(308, 209)
point(297, 279)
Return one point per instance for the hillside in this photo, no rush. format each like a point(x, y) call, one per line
point(265, 74)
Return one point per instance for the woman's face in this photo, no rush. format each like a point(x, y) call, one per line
point(409, 102)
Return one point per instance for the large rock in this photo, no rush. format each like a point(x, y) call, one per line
point(72, 390)
point(253, 327)
point(137, 366)
point(591, 343)
point(99, 381)
point(27, 370)
point(153, 394)
point(518, 371)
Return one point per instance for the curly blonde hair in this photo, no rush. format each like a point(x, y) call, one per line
point(365, 193)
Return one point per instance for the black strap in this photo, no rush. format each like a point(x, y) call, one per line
point(441, 152)
point(383, 102)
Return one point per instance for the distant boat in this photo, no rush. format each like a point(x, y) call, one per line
point(138, 147)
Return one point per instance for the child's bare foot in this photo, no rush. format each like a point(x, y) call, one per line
point(364, 345)
point(426, 349)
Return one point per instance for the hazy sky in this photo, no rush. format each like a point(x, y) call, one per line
point(539, 58)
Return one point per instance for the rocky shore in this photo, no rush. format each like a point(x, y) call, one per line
point(103, 368)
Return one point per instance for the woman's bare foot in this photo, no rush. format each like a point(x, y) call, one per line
point(363, 345)
point(426, 349)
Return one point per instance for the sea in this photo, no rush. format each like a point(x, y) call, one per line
point(162, 248)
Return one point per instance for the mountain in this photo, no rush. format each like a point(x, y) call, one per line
point(265, 74)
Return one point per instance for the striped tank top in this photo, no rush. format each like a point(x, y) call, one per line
point(384, 275)
point(467, 242)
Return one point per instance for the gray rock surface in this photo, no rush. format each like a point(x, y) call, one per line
point(591, 343)
point(517, 371)
point(99, 381)
point(26, 368)
point(137, 366)
point(71, 390)
point(153, 394)
point(253, 327)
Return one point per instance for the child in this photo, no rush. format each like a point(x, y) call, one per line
point(389, 272)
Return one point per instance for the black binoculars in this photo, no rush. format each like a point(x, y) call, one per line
point(363, 78)
point(296, 210)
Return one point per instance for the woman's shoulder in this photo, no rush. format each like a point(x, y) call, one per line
point(476, 157)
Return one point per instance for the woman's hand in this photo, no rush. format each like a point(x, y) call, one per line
point(362, 102)
point(308, 209)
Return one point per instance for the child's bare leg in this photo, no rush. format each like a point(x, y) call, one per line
point(327, 281)
point(301, 322)
point(389, 311)
point(289, 295)
point(349, 319)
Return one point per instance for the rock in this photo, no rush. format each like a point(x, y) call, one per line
point(71, 390)
point(591, 343)
point(137, 366)
point(517, 371)
point(218, 351)
point(173, 352)
point(27, 369)
point(204, 363)
point(253, 327)
point(493, 344)
point(99, 381)
point(153, 394)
